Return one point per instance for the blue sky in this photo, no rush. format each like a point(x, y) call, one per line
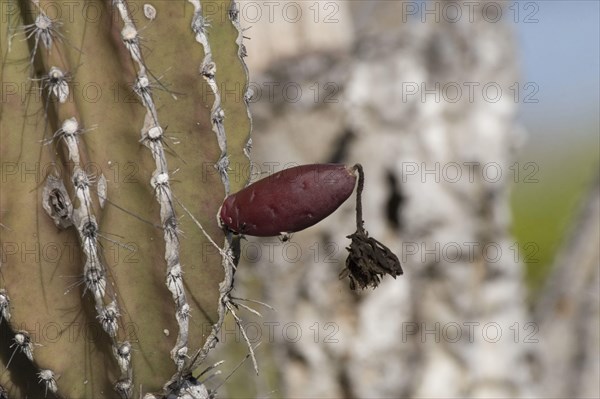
point(560, 53)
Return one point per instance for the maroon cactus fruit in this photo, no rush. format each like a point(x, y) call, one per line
point(297, 198)
point(288, 201)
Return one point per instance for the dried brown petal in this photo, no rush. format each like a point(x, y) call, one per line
point(369, 260)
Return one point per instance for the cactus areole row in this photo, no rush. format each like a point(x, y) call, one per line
point(296, 198)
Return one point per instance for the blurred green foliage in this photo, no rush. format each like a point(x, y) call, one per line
point(547, 196)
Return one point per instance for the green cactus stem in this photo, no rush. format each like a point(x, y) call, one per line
point(108, 289)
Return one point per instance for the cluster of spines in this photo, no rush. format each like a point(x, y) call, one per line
point(43, 30)
point(47, 378)
point(152, 137)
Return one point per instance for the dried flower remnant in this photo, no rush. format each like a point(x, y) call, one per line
point(368, 259)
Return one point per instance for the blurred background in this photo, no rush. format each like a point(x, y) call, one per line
point(560, 54)
point(477, 124)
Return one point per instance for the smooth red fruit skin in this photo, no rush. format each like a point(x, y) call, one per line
point(288, 201)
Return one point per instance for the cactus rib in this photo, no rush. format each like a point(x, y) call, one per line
point(152, 137)
point(84, 216)
point(208, 70)
point(234, 17)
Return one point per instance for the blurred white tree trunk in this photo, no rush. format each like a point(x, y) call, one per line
point(462, 272)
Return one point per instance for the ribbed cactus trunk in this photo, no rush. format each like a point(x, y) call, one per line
point(114, 127)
